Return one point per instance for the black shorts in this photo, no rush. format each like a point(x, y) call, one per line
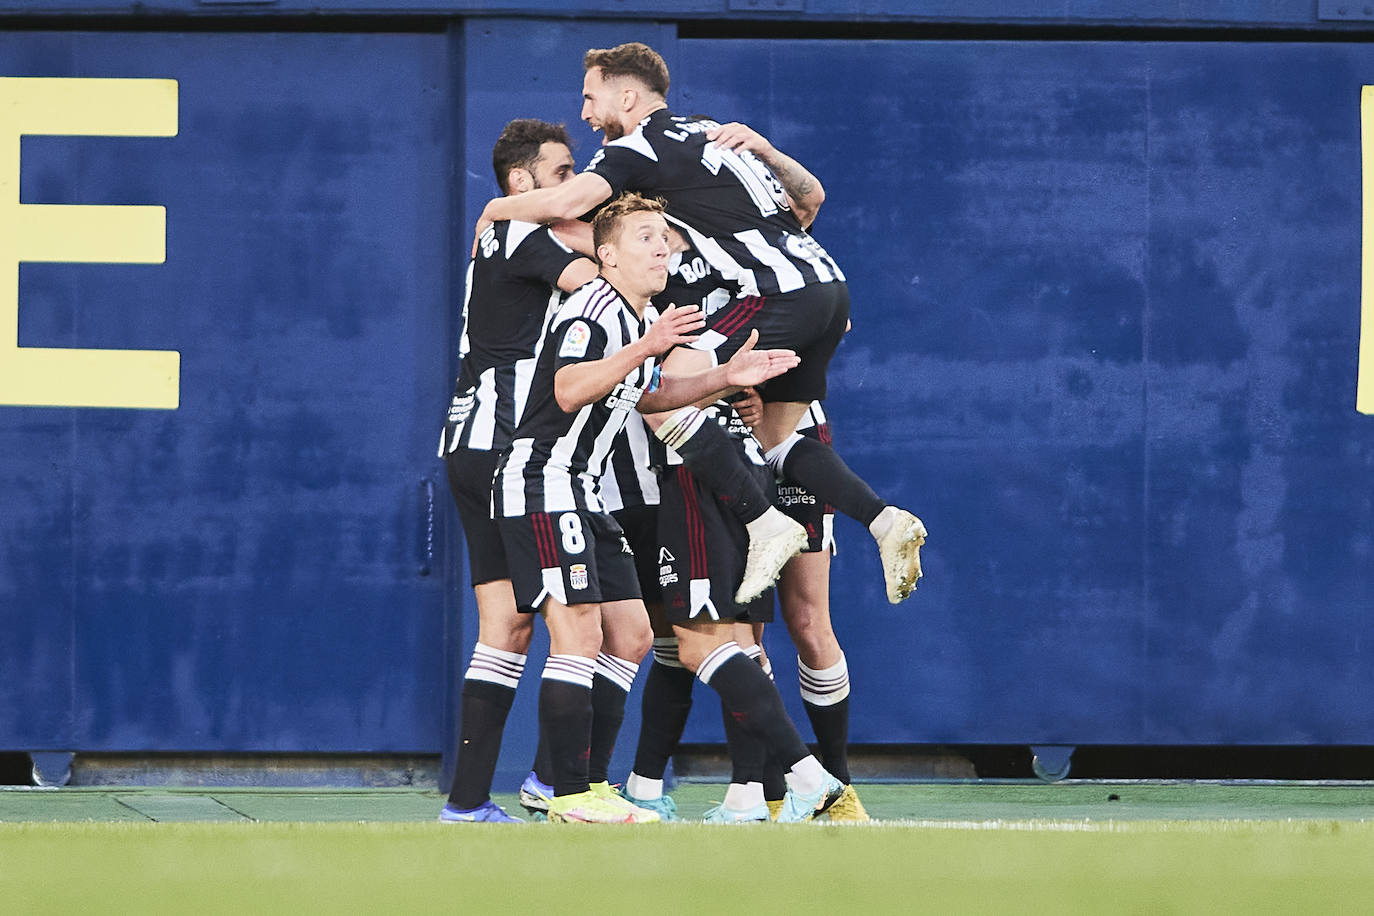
point(702, 547)
point(470, 474)
point(576, 557)
point(810, 321)
point(640, 524)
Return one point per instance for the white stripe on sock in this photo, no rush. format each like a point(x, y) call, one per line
point(755, 653)
point(680, 427)
point(571, 669)
point(617, 670)
point(665, 652)
point(495, 666)
point(825, 687)
point(719, 656)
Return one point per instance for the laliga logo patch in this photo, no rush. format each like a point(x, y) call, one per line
point(575, 340)
point(577, 575)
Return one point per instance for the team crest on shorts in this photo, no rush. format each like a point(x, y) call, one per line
point(577, 575)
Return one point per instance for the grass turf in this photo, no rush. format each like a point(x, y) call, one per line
point(962, 848)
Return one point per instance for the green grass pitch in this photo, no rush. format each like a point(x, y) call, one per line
point(952, 848)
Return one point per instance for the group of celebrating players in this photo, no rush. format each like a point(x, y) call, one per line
point(637, 452)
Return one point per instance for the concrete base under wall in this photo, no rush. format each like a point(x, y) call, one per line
point(369, 771)
point(709, 763)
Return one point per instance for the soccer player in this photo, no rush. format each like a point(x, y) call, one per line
point(569, 559)
point(515, 278)
point(803, 595)
point(731, 197)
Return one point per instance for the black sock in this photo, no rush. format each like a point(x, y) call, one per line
point(753, 702)
point(608, 711)
point(819, 468)
point(484, 708)
point(543, 763)
point(664, 708)
point(715, 460)
point(747, 752)
point(831, 725)
point(565, 719)
point(774, 781)
point(825, 696)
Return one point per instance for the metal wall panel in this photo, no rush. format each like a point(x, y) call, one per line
point(1106, 323)
point(241, 572)
point(1106, 317)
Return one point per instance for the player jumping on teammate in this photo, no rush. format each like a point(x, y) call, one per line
point(729, 196)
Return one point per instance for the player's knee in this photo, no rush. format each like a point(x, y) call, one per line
point(511, 639)
point(573, 630)
point(813, 636)
point(630, 641)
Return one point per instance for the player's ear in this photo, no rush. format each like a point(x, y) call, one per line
point(605, 255)
point(519, 180)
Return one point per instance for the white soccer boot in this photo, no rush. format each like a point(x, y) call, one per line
point(773, 540)
point(900, 548)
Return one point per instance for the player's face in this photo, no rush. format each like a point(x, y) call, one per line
point(641, 254)
point(554, 165)
point(600, 104)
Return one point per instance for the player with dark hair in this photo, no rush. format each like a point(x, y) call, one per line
point(735, 197)
point(569, 559)
point(516, 277)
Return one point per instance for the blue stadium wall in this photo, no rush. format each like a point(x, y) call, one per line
point(1106, 271)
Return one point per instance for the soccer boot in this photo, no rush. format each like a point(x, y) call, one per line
point(535, 795)
point(797, 807)
point(769, 550)
point(723, 815)
point(610, 795)
point(587, 808)
point(663, 806)
point(848, 807)
point(489, 812)
point(774, 808)
point(900, 549)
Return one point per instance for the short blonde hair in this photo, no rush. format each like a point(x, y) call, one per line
point(606, 223)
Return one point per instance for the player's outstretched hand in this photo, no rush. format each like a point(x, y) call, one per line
point(676, 325)
point(754, 367)
point(736, 136)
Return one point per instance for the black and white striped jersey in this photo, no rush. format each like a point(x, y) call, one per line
point(731, 206)
point(628, 479)
point(512, 291)
point(556, 458)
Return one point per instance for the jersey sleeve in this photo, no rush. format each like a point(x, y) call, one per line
point(541, 256)
point(623, 167)
point(576, 339)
